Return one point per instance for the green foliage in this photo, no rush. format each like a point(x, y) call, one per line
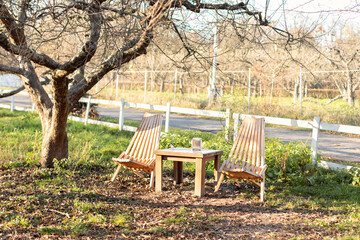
point(355, 173)
point(20, 221)
point(182, 138)
point(78, 227)
point(288, 162)
point(50, 231)
point(121, 220)
point(325, 176)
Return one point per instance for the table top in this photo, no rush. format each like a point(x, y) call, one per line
point(187, 152)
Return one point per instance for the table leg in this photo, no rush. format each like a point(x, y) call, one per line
point(200, 177)
point(217, 164)
point(158, 173)
point(178, 172)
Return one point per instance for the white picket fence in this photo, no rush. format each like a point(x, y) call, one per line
point(315, 125)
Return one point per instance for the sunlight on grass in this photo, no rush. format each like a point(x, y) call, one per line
point(77, 199)
point(121, 220)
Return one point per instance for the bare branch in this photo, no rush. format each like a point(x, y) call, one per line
point(15, 91)
point(41, 59)
point(89, 48)
point(13, 70)
point(16, 33)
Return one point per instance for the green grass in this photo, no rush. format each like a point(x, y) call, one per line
point(20, 141)
point(76, 198)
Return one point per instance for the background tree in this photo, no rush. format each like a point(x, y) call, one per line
point(62, 37)
point(345, 55)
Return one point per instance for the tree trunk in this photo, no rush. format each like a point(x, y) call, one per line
point(349, 91)
point(55, 140)
point(162, 85)
point(54, 120)
point(296, 93)
point(54, 146)
point(351, 98)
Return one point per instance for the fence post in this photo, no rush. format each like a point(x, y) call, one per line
point(300, 90)
point(33, 108)
point(167, 120)
point(121, 115)
point(227, 123)
point(314, 139)
point(87, 109)
point(12, 105)
point(236, 124)
point(249, 90)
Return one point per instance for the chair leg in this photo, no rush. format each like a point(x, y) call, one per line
point(152, 179)
point(116, 172)
point(236, 181)
point(137, 173)
point(219, 182)
point(262, 190)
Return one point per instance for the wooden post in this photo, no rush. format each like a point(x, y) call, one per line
point(300, 90)
point(227, 123)
point(314, 139)
point(200, 177)
point(158, 174)
point(87, 109)
point(249, 90)
point(214, 93)
point(217, 164)
point(121, 114)
point(12, 105)
point(175, 80)
point(167, 120)
point(236, 124)
point(178, 172)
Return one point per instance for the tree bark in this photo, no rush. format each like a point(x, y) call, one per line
point(54, 145)
point(350, 93)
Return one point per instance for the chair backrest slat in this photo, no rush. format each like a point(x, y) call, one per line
point(262, 149)
point(155, 139)
point(249, 146)
point(254, 147)
point(243, 132)
point(145, 139)
point(140, 136)
point(150, 139)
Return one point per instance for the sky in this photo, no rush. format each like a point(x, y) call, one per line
point(323, 12)
point(331, 15)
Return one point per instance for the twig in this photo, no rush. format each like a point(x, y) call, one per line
point(62, 213)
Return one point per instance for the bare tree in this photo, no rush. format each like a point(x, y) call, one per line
point(346, 56)
point(64, 36)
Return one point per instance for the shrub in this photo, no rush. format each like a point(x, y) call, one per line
point(288, 162)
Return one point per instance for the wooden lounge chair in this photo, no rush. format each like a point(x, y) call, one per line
point(139, 156)
point(247, 156)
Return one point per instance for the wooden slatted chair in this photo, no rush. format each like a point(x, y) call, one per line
point(139, 156)
point(247, 156)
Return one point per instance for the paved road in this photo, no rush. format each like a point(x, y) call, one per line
point(334, 146)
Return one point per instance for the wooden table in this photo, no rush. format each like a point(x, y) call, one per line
point(180, 155)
